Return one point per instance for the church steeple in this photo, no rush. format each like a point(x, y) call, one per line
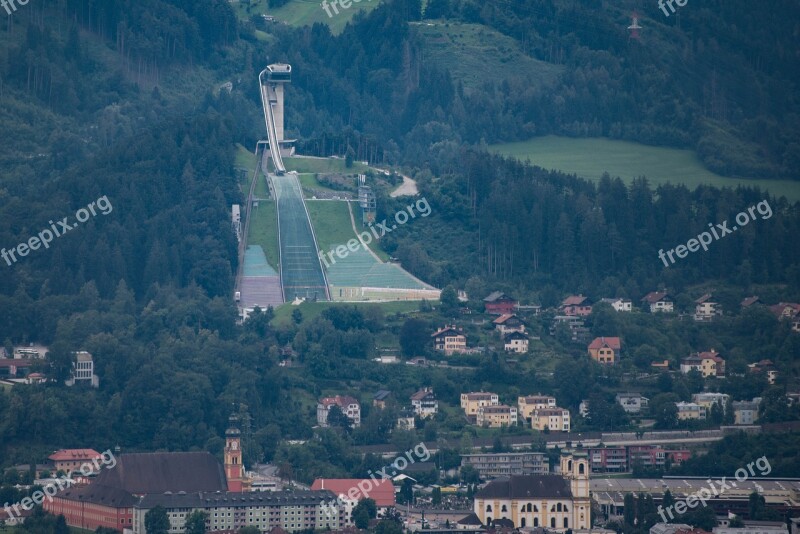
point(234, 469)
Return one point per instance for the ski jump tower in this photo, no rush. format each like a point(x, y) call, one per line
point(272, 80)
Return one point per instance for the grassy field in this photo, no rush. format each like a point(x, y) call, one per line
point(313, 309)
point(471, 51)
point(307, 180)
point(304, 13)
point(264, 231)
point(244, 159)
point(591, 157)
point(332, 225)
point(310, 165)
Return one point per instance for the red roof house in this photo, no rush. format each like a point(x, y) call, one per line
point(498, 303)
point(605, 349)
point(356, 489)
point(576, 305)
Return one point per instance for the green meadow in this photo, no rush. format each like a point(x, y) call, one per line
point(591, 157)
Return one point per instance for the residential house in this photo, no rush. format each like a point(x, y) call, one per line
point(745, 412)
point(352, 490)
point(658, 302)
point(515, 342)
point(605, 350)
point(509, 322)
point(576, 305)
point(498, 303)
point(583, 408)
point(785, 310)
point(496, 416)
point(347, 404)
point(555, 419)
point(472, 402)
point(405, 420)
point(632, 402)
point(450, 340)
point(424, 403)
point(709, 363)
point(690, 410)
point(380, 398)
point(503, 464)
point(527, 501)
point(706, 308)
point(527, 404)
point(619, 304)
point(766, 367)
point(708, 400)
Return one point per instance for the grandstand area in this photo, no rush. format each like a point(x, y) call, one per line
point(360, 275)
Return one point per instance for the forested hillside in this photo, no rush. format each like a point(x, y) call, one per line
point(122, 99)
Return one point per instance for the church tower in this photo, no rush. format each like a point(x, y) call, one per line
point(234, 469)
point(575, 468)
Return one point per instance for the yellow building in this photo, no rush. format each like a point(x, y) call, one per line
point(472, 402)
point(690, 410)
point(708, 363)
point(527, 404)
point(555, 419)
point(496, 416)
point(557, 502)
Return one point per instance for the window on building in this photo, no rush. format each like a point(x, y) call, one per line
point(504, 509)
point(566, 523)
point(558, 507)
point(488, 507)
point(580, 468)
point(552, 522)
point(535, 521)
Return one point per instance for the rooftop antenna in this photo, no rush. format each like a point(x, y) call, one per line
point(634, 27)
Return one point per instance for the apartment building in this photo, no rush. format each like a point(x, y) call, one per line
point(555, 419)
point(496, 416)
point(502, 464)
point(528, 403)
point(472, 402)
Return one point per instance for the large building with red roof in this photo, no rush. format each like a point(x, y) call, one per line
point(69, 460)
point(351, 490)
